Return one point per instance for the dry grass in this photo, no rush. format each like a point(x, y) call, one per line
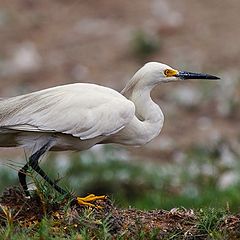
point(63, 218)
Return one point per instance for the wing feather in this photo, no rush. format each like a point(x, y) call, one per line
point(82, 110)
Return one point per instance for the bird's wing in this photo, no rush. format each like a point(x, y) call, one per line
point(82, 110)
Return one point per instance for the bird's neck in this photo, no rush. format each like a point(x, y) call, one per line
point(149, 117)
point(146, 109)
point(138, 90)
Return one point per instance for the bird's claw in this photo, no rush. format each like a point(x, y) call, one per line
point(87, 201)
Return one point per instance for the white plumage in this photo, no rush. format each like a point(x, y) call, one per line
point(70, 115)
point(78, 116)
point(82, 110)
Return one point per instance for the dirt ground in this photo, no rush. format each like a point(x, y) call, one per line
point(178, 223)
point(48, 43)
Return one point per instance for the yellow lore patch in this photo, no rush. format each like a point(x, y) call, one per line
point(170, 72)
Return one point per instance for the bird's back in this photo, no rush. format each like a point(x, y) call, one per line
point(10, 106)
point(82, 110)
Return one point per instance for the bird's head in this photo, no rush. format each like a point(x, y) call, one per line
point(160, 72)
point(153, 73)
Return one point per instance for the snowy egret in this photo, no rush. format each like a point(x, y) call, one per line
point(78, 116)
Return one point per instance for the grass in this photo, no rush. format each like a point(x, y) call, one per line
point(206, 223)
point(210, 220)
point(191, 183)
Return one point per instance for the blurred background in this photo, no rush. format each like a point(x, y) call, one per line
point(195, 162)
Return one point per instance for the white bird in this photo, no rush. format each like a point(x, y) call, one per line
point(78, 116)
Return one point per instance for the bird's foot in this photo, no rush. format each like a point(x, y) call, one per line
point(90, 199)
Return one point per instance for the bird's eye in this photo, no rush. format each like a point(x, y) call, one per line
point(170, 72)
point(166, 72)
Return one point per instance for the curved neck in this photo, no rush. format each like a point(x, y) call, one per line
point(148, 121)
point(146, 109)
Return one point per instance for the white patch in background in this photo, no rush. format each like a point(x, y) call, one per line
point(25, 58)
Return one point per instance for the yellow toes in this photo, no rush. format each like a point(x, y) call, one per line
point(82, 203)
point(87, 201)
point(92, 197)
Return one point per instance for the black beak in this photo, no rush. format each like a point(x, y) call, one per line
point(189, 75)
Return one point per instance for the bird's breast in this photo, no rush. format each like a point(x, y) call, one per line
point(137, 132)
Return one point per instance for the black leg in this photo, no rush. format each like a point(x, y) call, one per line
point(22, 178)
point(33, 162)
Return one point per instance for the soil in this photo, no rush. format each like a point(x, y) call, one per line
point(131, 223)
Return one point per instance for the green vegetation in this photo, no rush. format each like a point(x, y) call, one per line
point(209, 222)
point(144, 45)
point(181, 224)
point(195, 181)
